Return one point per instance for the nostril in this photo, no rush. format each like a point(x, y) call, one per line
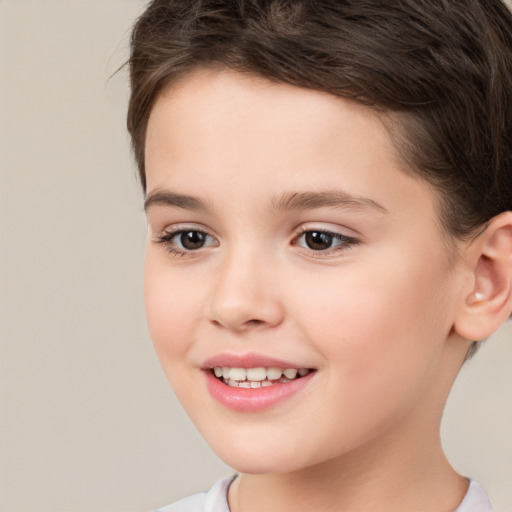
point(253, 323)
point(246, 325)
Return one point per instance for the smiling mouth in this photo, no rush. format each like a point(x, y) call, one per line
point(259, 377)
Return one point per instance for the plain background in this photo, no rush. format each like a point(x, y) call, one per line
point(87, 420)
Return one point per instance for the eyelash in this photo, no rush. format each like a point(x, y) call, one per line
point(345, 242)
point(166, 239)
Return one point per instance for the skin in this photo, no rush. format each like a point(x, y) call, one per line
point(377, 319)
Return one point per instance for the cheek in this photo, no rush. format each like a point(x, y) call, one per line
point(171, 310)
point(381, 327)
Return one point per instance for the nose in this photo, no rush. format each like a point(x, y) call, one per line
point(244, 295)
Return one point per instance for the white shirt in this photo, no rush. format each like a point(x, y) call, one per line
point(216, 500)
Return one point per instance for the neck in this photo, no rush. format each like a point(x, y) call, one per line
point(388, 480)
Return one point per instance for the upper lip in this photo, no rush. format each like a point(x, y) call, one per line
point(248, 360)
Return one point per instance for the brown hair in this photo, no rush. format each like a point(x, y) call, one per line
point(439, 70)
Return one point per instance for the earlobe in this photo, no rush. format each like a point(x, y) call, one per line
point(489, 303)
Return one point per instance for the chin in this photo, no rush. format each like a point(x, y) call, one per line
point(256, 466)
point(263, 457)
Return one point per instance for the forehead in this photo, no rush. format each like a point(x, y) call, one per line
point(224, 129)
point(210, 109)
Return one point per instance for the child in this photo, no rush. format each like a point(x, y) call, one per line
point(328, 186)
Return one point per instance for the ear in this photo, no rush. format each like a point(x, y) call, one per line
point(489, 302)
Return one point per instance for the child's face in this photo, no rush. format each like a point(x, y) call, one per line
point(275, 172)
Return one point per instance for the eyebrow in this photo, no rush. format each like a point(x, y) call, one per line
point(168, 198)
point(322, 199)
point(284, 202)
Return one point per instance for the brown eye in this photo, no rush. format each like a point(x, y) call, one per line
point(183, 241)
point(325, 242)
point(318, 240)
point(191, 240)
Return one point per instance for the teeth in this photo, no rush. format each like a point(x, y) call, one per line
point(237, 374)
point(291, 373)
point(256, 374)
point(274, 373)
point(257, 377)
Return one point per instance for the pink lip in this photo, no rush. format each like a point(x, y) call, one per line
point(251, 399)
point(249, 360)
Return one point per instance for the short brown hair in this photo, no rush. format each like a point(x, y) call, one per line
point(440, 71)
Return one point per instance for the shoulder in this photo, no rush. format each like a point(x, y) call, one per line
point(215, 500)
point(194, 503)
point(476, 499)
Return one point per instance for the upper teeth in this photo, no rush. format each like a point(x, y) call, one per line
point(257, 374)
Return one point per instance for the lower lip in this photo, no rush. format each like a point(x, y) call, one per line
point(254, 399)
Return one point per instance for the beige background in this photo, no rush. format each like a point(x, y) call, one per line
point(87, 421)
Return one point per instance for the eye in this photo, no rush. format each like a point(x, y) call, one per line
point(190, 240)
point(324, 241)
point(186, 240)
